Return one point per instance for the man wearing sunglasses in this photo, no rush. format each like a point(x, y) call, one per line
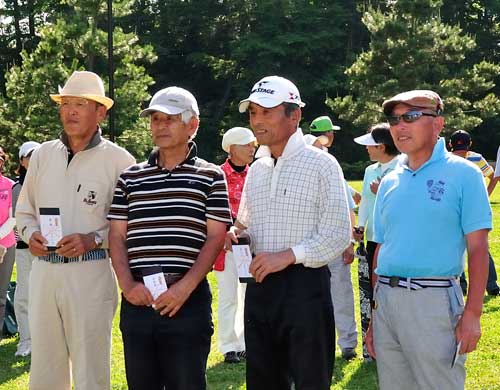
point(427, 212)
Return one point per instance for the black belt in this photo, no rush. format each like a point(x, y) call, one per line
point(414, 283)
point(170, 278)
point(95, 254)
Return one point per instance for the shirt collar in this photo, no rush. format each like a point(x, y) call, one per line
point(94, 141)
point(191, 155)
point(295, 144)
point(439, 152)
point(227, 168)
point(388, 164)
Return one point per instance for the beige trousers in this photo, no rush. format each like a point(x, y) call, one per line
point(24, 261)
point(71, 309)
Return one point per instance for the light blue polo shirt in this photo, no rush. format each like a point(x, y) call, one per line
point(421, 217)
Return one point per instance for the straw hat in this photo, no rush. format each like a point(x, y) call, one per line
point(86, 85)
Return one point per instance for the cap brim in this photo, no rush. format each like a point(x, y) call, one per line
point(244, 141)
point(260, 100)
point(366, 140)
point(263, 101)
point(105, 101)
point(28, 151)
point(169, 110)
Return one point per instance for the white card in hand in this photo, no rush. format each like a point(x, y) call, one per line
point(156, 284)
point(243, 257)
point(51, 227)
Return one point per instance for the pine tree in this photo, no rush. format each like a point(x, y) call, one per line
point(411, 48)
point(78, 41)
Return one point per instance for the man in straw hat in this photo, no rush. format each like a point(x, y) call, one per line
point(294, 208)
point(61, 214)
point(427, 212)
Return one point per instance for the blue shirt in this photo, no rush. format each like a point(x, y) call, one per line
point(421, 217)
point(365, 214)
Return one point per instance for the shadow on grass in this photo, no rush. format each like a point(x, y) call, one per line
point(362, 377)
point(224, 376)
point(493, 307)
point(11, 367)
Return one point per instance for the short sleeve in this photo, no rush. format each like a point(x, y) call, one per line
point(119, 206)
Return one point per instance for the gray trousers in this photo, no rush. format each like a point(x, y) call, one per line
point(343, 303)
point(5, 273)
point(414, 338)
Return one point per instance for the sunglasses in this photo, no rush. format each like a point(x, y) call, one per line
point(408, 117)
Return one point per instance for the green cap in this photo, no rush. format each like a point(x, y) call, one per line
point(322, 124)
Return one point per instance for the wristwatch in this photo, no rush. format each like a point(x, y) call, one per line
point(98, 240)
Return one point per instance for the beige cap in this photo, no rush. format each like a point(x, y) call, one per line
point(421, 98)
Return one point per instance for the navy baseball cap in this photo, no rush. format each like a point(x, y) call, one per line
point(460, 140)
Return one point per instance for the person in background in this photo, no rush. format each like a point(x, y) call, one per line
point(7, 238)
point(460, 144)
point(239, 143)
point(381, 149)
point(24, 258)
point(496, 174)
point(72, 294)
point(340, 280)
point(324, 130)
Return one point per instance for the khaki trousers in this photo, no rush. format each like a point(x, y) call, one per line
point(71, 309)
point(24, 260)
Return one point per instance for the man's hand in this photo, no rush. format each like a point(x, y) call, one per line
point(348, 254)
point(137, 294)
point(369, 340)
point(170, 302)
point(468, 331)
point(77, 244)
point(37, 244)
point(374, 185)
point(266, 263)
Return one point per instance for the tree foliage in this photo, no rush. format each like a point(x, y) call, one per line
point(76, 42)
point(411, 48)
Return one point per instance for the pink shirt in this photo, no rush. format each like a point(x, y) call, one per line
point(5, 204)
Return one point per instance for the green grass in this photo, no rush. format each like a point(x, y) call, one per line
point(481, 365)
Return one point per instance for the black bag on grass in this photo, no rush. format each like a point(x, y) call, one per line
point(10, 323)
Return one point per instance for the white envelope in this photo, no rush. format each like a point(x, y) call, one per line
point(156, 284)
point(242, 258)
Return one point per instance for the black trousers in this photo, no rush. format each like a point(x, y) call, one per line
point(365, 275)
point(290, 330)
point(168, 353)
point(491, 284)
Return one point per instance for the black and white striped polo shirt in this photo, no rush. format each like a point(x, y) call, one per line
point(167, 211)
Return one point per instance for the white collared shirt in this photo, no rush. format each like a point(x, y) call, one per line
point(298, 203)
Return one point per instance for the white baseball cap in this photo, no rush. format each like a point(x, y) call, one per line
point(172, 101)
point(271, 91)
point(27, 148)
point(237, 136)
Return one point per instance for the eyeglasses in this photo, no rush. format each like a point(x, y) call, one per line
point(408, 117)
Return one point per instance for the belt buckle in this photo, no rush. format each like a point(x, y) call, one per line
point(394, 281)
